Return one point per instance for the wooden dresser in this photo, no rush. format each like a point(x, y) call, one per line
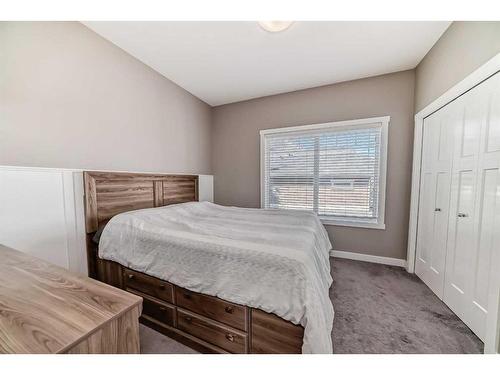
point(47, 309)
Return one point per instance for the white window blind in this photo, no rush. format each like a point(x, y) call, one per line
point(331, 169)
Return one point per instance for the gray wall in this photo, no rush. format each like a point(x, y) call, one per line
point(236, 158)
point(463, 48)
point(69, 98)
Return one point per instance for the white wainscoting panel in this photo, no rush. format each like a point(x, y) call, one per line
point(42, 214)
point(206, 188)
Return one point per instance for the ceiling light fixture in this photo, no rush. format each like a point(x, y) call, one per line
point(275, 26)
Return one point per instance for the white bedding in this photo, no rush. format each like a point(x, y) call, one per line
point(273, 260)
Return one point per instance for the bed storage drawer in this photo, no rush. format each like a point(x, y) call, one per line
point(148, 285)
point(212, 332)
point(215, 308)
point(158, 311)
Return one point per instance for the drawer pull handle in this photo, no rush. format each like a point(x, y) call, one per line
point(163, 308)
point(229, 309)
point(186, 296)
point(437, 210)
point(130, 276)
point(188, 319)
point(462, 215)
point(230, 337)
point(162, 286)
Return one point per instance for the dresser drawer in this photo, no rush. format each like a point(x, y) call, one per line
point(159, 311)
point(212, 332)
point(148, 285)
point(215, 308)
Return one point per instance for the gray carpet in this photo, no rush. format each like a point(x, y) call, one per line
point(378, 309)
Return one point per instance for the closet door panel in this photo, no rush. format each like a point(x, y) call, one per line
point(489, 196)
point(493, 122)
point(441, 223)
point(426, 222)
point(445, 140)
point(461, 207)
point(461, 223)
point(460, 241)
point(427, 198)
point(471, 126)
point(481, 264)
point(434, 200)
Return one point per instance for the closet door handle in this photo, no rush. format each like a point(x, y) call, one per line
point(460, 214)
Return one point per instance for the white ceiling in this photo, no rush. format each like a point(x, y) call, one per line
point(225, 62)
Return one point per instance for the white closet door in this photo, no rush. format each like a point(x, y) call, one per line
point(475, 205)
point(434, 199)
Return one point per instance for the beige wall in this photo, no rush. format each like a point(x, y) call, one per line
point(69, 98)
point(236, 158)
point(463, 48)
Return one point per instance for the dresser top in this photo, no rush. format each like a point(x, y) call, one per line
point(46, 309)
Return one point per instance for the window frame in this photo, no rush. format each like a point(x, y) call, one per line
point(379, 122)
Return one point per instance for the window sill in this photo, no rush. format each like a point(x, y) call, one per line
point(355, 224)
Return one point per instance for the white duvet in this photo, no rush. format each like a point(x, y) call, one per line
point(273, 260)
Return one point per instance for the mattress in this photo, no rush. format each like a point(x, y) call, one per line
point(273, 260)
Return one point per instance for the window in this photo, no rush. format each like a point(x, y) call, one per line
point(336, 170)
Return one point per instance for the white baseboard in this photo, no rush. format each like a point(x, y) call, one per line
point(368, 258)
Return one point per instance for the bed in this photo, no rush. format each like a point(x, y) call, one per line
point(220, 279)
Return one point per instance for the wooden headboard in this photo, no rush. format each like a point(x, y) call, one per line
point(110, 193)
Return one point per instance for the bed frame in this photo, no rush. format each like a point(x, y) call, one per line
point(205, 323)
